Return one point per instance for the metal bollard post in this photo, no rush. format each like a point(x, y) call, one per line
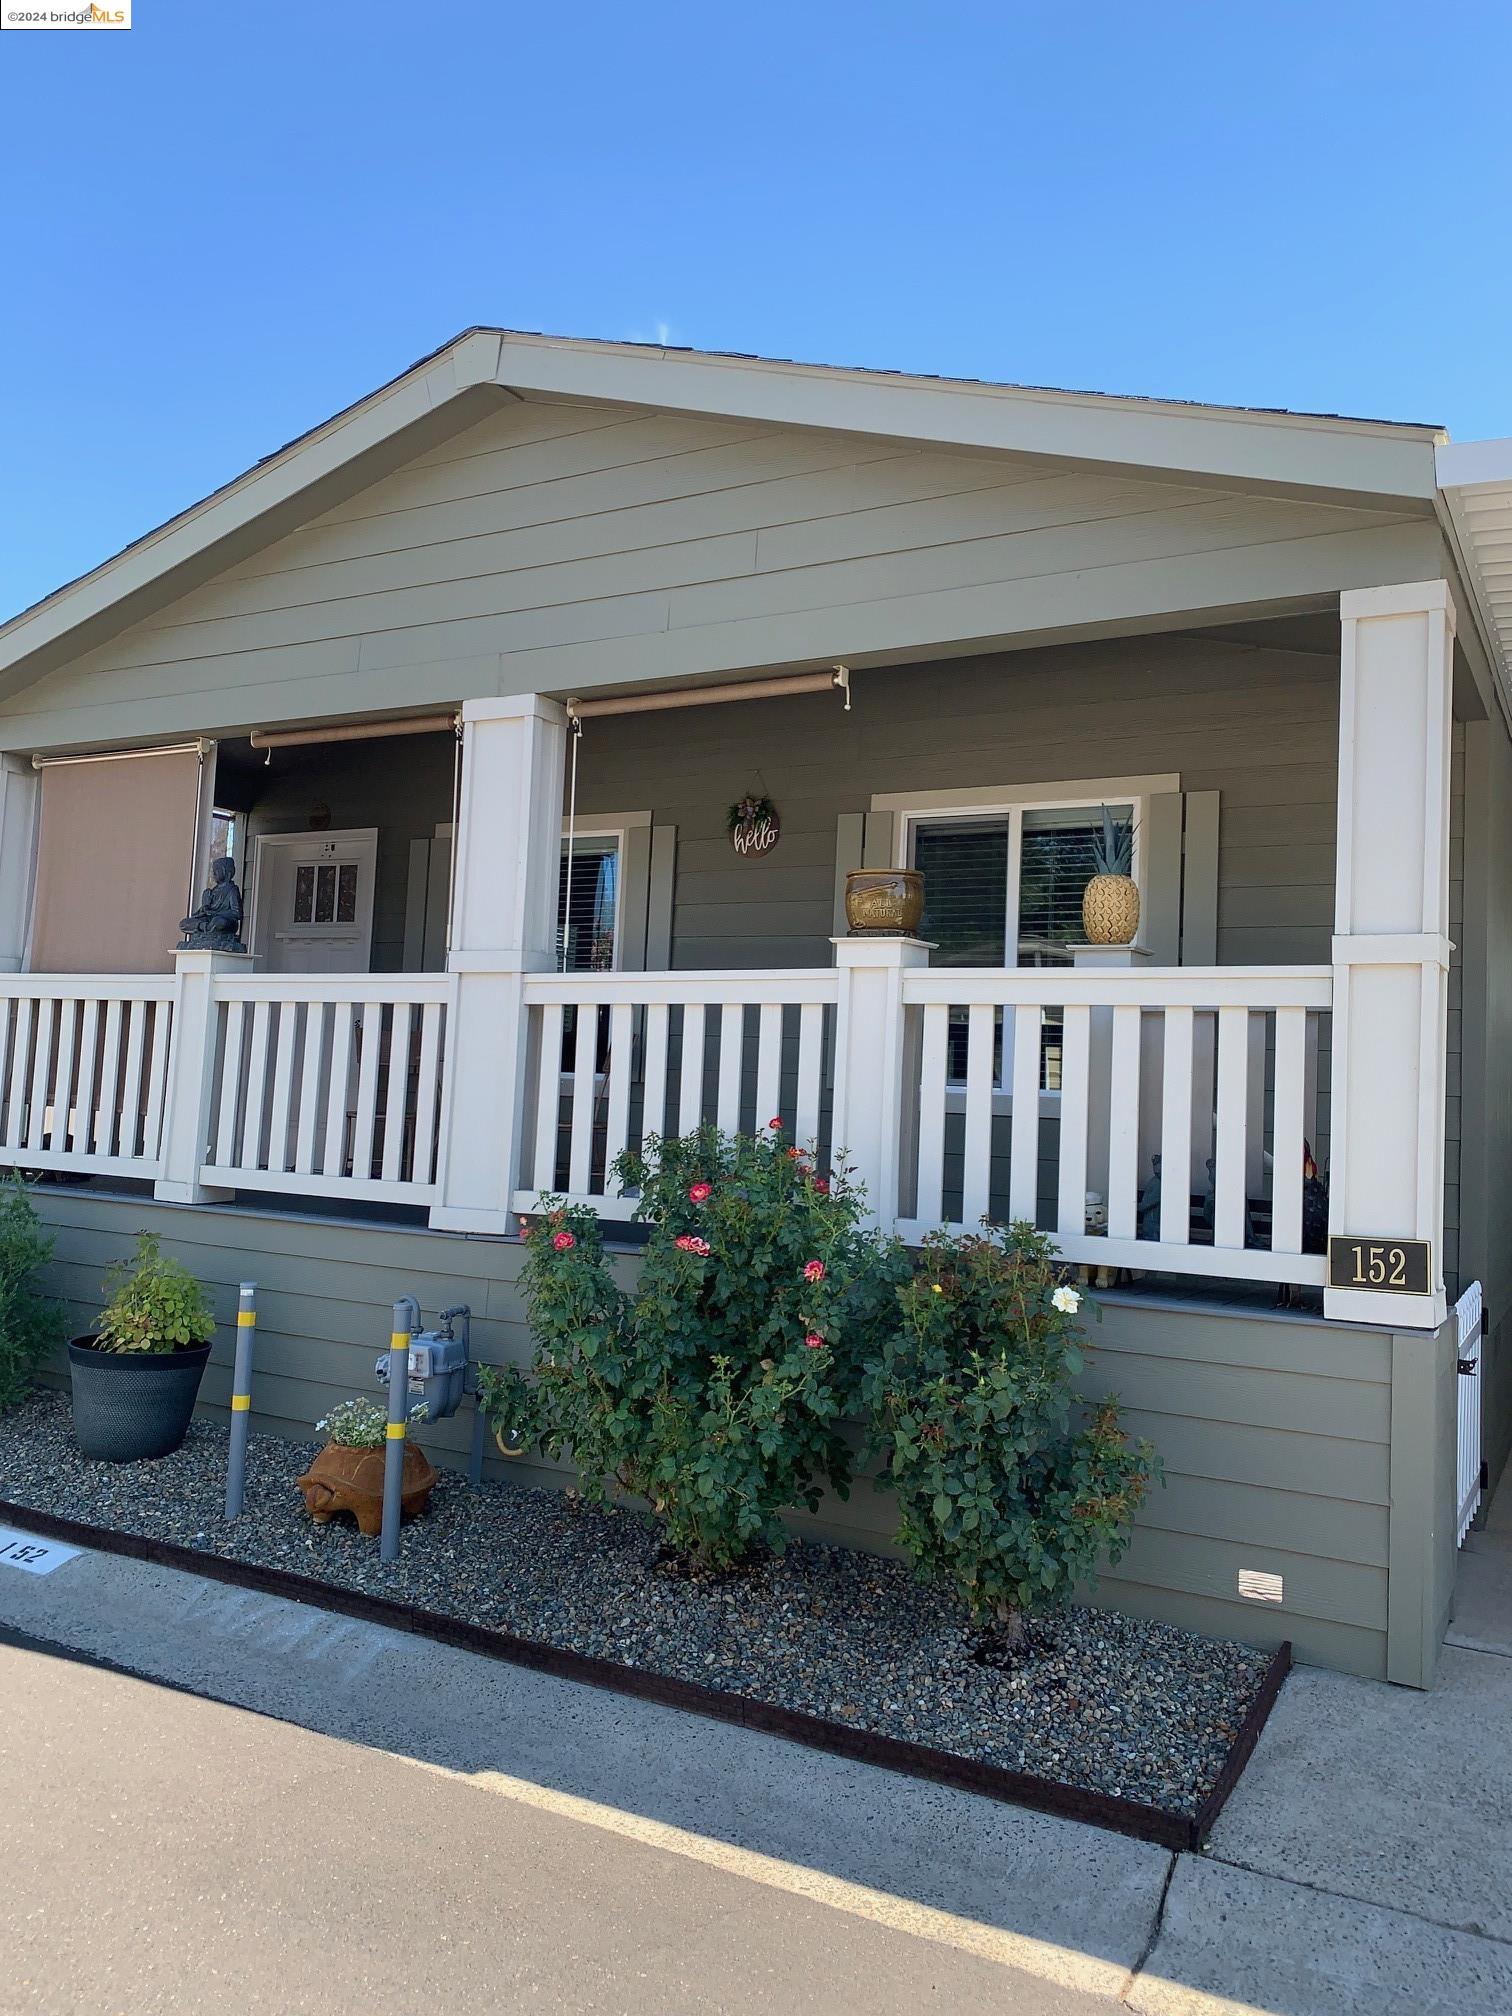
point(406, 1321)
point(241, 1400)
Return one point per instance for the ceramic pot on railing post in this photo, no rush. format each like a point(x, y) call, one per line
point(884, 902)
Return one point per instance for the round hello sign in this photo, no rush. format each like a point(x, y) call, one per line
point(754, 826)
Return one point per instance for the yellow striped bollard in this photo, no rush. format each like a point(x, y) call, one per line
point(241, 1399)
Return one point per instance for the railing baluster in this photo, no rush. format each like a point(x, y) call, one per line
point(690, 1087)
point(41, 1071)
point(62, 1098)
point(83, 1103)
point(104, 1134)
point(15, 1119)
point(621, 1057)
point(398, 1091)
point(257, 1089)
point(229, 1104)
point(976, 1171)
point(580, 1152)
point(1023, 1158)
point(309, 1086)
point(423, 1169)
point(1076, 1034)
point(1230, 1147)
point(283, 1086)
point(157, 1078)
point(1288, 1130)
point(369, 1047)
point(768, 1063)
point(548, 1098)
point(731, 1049)
point(1176, 1129)
point(810, 1075)
point(654, 1106)
point(333, 1161)
point(132, 1130)
point(934, 1052)
point(1123, 1125)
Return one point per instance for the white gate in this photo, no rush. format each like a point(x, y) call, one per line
point(1470, 1313)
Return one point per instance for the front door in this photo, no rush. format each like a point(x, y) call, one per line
point(313, 901)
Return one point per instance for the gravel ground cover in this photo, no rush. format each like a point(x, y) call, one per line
point(1112, 1703)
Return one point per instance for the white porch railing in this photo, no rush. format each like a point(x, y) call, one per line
point(1197, 1066)
point(83, 1066)
point(613, 1058)
point(1469, 1314)
point(327, 1085)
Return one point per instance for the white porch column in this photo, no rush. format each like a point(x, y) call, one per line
point(504, 918)
point(190, 1092)
point(872, 1120)
point(18, 857)
point(1391, 948)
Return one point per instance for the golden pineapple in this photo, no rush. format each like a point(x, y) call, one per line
point(1110, 902)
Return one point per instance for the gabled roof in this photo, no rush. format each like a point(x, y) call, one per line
point(1316, 453)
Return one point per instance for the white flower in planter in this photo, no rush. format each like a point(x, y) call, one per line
point(1066, 1300)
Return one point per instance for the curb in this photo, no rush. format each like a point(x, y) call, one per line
point(1133, 1817)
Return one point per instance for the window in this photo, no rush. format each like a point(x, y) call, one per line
point(1013, 877)
point(588, 909)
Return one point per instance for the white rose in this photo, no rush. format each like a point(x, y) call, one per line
point(1066, 1300)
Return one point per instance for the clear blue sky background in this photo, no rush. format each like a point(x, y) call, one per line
point(233, 220)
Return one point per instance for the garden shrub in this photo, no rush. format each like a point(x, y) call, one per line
point(714, 1389)
point(1003, 1491)
point(30, 1323)
point(155, 1303)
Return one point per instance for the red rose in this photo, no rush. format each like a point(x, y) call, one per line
point(814, 1341)
point(700, 1193)
point(562, 1241)
point(814, 1271)
point(821, 1184)
point(795, 1154)
point(776, 1124)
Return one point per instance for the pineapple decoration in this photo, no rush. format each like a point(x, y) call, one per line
point(1110, 904)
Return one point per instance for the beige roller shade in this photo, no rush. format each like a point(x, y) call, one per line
point(115, 863)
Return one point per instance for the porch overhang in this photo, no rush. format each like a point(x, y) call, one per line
point(1476, 481)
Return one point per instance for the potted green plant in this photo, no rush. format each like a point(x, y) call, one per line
point(347, 1475)
point(136, 1380)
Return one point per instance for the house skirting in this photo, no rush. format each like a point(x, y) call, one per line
point(1309, 1461)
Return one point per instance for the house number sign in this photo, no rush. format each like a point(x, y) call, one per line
point(1384, 1266)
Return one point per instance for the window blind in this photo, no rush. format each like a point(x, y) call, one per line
point(586, 911)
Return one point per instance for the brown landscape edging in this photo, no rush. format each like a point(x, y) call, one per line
point(891, 1753)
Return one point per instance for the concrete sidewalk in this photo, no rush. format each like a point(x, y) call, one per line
point(1361, 1867)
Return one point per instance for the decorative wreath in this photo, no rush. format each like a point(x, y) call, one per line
point(754, 826)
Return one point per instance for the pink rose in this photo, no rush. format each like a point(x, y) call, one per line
point(795, 1154)
point(563, 1241)
point(775, 1123)
point(700, 1193)
point(814, 1341)
point(821, 1184)
point(688, 1244)
point(814, 1271)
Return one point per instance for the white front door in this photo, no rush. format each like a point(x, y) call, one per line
point(312, 906)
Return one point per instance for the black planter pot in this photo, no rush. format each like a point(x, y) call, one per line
point(131, 1405)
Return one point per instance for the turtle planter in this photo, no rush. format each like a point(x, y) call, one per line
point(351, 1480)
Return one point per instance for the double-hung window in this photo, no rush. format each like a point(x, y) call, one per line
point(588, 904)
point(1005, 889)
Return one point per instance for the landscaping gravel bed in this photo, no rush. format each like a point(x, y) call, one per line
point(1113, 1703)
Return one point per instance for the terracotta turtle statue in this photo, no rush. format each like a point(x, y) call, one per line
point(351, 1480)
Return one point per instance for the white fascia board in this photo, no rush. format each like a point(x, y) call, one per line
point(1462, 464)
point(1221, 442)
point(326, 449)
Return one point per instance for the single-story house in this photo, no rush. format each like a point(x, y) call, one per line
point(467, 681)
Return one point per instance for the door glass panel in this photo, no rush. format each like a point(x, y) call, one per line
point(346, 893)
point(304, 893)
point(325, 893)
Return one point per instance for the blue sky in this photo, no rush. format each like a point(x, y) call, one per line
point(227, 223)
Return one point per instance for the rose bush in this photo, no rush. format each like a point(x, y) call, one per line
point(716, 1387)
point(1003, 1492)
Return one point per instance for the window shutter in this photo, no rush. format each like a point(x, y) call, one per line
point(1199, 884)
point(1162, 878)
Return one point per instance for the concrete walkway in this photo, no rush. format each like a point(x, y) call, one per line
point(1361, 1867)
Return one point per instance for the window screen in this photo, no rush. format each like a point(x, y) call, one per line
point(965, 868)
point(586, 911)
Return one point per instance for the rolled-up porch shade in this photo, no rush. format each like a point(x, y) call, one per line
point(115, 862)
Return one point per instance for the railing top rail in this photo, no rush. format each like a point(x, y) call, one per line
point(1150, 987)
point(804, 985)
point(86, 986)
point(331, 986)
